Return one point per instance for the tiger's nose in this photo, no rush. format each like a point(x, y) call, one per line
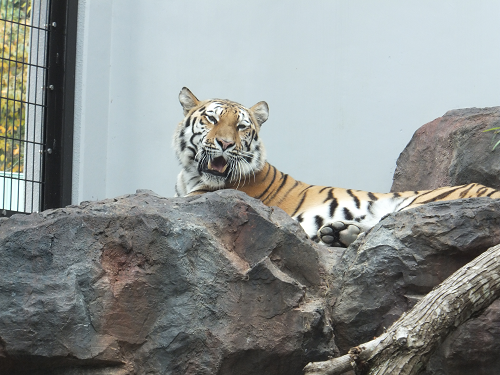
point(223, 144)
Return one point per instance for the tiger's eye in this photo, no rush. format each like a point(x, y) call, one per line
point(211, 119)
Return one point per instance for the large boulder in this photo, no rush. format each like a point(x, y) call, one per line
point(383, 274)
point(212, 284)
point(451, 150)
point(454, 150)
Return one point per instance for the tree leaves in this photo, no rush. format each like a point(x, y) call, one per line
point(15, 18)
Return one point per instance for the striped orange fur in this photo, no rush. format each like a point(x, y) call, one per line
point(219, 147)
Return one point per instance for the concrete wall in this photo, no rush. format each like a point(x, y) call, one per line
point(347, 82)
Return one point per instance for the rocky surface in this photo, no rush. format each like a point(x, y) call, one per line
point(221, 284)
point(472, 349)
point(213, 284)
point(454, 150)
point(451, 150)
point(383, 274)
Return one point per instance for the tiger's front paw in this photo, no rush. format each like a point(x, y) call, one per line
point(338, 234)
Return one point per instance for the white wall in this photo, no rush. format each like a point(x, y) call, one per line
point(347, 82)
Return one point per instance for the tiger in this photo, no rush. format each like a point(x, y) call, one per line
point(218, 146)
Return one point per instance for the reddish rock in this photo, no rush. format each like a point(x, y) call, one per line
point(451, 150)
point(140, 284)
point(454, 150)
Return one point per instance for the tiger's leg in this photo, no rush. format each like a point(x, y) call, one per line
point(338, 234)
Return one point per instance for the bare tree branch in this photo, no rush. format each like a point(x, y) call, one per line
point(405, 348)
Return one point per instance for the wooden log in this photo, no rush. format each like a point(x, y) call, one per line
point(407, 345)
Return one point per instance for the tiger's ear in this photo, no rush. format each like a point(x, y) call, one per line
point(188, 100)
point(260, 112)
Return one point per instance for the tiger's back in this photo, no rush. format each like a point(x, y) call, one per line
point(317, 206)
point(218, 147)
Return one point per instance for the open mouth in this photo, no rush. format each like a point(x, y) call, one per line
point(217, 166)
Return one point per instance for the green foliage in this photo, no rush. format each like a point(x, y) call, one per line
point(496, 130)
point(14, 31)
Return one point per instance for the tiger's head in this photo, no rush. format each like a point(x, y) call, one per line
point(218, 141)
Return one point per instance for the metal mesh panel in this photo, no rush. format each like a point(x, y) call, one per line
point(24, 33)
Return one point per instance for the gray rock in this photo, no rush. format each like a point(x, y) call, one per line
point(212, 284)
point(451, 150)
point(454, 150)
point(472, 349)
point(384, 273)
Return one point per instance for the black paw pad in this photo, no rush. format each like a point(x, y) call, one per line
point(338, 234)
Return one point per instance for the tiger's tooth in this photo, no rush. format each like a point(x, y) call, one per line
point(209, 166)
point(224, 169)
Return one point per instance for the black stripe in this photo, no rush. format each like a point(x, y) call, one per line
point(188, 121)
point(360, 218)
point(370, 203)
point(348, 214)
point(481, 191)
point(273, 191)
point(372, 196)
point(269, 185)
point(356, 200)
point(420, 195)
point(300, 218)
point(493, 192)
point(396, 195)
point(440, 196)
point(267, 173)
point(283, 182)
point(333, 206)
point(322, 190)
point(300, 203)
point(192, 137)
point(310, 186)
point(404, 204)
point(319, 221)
point(329, 196)
point(193, 151)
point(288, 192)
point(464, 193)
